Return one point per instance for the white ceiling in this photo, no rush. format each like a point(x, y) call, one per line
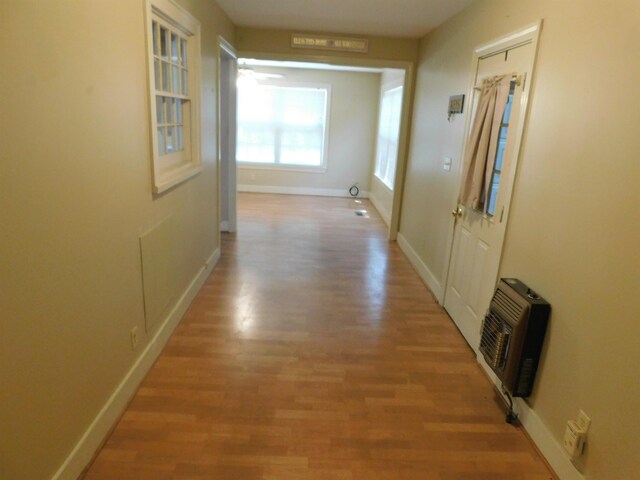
point(389, 18)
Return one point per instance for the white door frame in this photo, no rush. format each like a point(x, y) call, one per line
point(225, 49)
point(527, 35)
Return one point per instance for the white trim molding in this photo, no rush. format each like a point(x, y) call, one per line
point(317, 192)
point(279, 167)
point(420, 267)
point(511, 40)
point(384, 213)
point(95, 435)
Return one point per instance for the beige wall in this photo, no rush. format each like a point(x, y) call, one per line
point(352, 127)
point(75, 190)
point(573, 232)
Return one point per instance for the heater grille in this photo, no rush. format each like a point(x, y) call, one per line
point(494, 343)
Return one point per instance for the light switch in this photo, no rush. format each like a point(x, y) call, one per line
point(446, 164)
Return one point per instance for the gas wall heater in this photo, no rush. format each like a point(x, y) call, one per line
point(512, 335)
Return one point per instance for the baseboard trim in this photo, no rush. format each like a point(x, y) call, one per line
point(538, 432)
point(384, 214)
point(318, 192)
point(550, 449)
point(427, 276)
point(95, 435)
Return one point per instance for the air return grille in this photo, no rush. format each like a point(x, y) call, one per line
point(512, 335)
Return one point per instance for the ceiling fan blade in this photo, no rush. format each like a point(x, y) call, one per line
point(249, 72)
point(268, 75)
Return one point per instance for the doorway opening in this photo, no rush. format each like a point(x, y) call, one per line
point(317, 128)
point(227, 124)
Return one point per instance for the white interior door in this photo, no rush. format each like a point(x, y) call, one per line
point(479, 237)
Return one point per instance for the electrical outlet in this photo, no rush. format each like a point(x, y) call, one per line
point(134, 338)
point(573, 441)
point(583, 421)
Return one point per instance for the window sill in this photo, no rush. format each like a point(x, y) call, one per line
point(383, 183)
point(176, 177)
point(280, 167)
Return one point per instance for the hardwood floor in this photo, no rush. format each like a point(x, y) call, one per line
point(314, 352)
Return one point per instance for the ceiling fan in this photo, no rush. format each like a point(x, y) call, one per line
point(248, 78)
point(250, 73)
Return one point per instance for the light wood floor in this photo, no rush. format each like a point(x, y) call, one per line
point(314, 352)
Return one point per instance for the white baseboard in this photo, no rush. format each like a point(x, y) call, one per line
point(320, 192)
point(386, 215)
point(95, 435)
point(549, 447)
point(427, 276)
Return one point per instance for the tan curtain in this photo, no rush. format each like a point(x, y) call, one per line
point(480, 154)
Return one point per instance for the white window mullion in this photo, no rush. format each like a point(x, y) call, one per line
point(277, 143)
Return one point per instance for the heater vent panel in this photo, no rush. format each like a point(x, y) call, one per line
point(512, 335)
point(511, 309)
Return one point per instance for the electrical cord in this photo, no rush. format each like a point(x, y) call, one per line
point(512, 417)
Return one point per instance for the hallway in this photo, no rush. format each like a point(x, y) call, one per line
point(314, 351)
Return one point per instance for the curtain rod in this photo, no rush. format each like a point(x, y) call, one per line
point(514, 78)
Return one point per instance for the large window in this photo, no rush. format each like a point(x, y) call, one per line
point(174, 51)
point(282, 125)
point(388, 133)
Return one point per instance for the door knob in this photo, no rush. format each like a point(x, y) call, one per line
point(457, 213)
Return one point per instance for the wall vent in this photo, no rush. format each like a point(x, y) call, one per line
point(323, 42)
